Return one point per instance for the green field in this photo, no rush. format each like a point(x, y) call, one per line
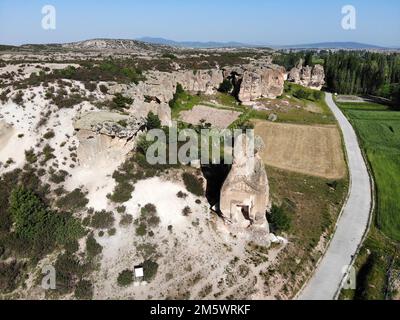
point(378, 129)
point(379, 132)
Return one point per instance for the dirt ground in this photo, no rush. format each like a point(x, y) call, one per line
point(312, 150)
point(217, 117)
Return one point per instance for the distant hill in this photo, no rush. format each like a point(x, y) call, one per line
point(194, 44)
point(334, 45)
point(321, 45)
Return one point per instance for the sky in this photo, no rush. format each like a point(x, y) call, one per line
point(249, 21)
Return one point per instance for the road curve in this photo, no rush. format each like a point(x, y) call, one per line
point(352, 224)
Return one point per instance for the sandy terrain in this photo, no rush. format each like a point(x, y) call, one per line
point(200, 251)
point(313, 150)
point(217, 117)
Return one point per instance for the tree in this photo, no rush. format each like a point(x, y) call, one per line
point(153, 121)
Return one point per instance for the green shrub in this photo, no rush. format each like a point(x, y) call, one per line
point(122, 192)
point(30, 156)
point(126, 220)
point(150, 270)
point(93, 248)
point(39, 227)
point(10, 274)
point(84, 290)
point(19, 98)
point(153, 121)
point(49, 135)
point(102, 220)
point(279, 219)
point(121, 102)
point(68, 270)
point(73, 201)
point(193, 184)
point(103, 89)
point(125, 278)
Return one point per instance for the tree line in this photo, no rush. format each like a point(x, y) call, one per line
point(370, 73)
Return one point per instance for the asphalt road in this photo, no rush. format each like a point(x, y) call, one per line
point(353, 223)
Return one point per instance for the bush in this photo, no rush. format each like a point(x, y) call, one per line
point(10, 274)
point(30, 156)
point(125, 278)
point(84, 290)
point(150, 270)
point(19, 98)
point(90, 86)
point(126, 220)
point(68, 270)
point(121, 102)
point(280, 219)
point(153, 121)
point(301, 94)
point(103, 89)
point(193, 184)
point(93, 248)
point(122, 192)
point(186, 211)
point(74, 201)
point(58, 177)
point(49, 135)
point(102, 220)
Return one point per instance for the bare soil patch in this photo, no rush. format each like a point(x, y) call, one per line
point(312, 150)
point(218, 118)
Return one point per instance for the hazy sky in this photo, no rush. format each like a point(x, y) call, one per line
point(251, 21)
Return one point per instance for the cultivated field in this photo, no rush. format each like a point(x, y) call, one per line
point(379, 133)
point(311, 150)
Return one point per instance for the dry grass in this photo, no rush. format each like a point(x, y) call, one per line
point(311, 150)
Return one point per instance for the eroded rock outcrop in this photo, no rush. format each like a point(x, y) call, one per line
point(110, 124)
point(245, 193)
point(307, 76)
point(252, 82)
point(162, 85)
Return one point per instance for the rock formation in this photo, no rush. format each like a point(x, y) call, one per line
point(105, 137)
point(252, 82)
point(110, 124)
point(245, 193)
point(311, 77)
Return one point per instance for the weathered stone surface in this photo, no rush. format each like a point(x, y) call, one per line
point(311, 77)
point(141, 109)
point(110, 124)
point(162, 85)
point(245, 193)
point(252, 82)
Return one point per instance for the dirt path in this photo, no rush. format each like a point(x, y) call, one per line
point(352, 225)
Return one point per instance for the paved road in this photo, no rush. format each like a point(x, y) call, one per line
point(353, 223)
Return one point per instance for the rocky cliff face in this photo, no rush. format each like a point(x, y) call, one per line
point(311, 77)
point(252, 82)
